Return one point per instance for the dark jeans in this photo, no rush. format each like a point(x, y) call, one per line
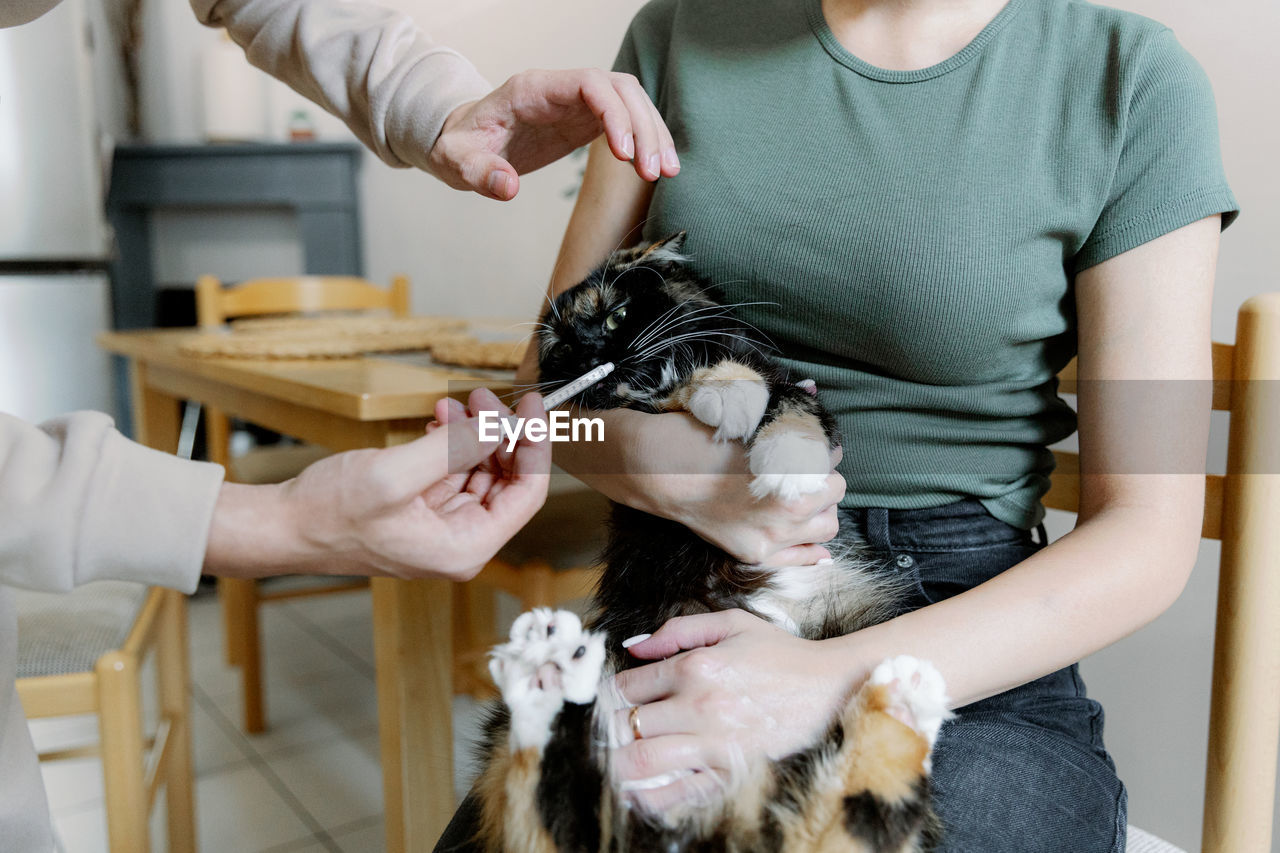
point(1024, 771)
point(1021, 772)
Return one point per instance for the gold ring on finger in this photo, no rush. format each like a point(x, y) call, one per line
point(634, 719)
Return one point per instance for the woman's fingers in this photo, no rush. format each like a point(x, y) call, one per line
point(646, 684)
point(823, 527)
point(700, 788)
point(653, 758)
point(664, 717)
point(679, 634)
point(798, 555)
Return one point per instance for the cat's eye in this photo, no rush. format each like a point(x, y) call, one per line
point(615, 319)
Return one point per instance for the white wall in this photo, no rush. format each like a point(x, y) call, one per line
point(471, 256)
point(464, 254)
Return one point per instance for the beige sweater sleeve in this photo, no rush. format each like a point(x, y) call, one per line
point(371, 67)
point(80, 502)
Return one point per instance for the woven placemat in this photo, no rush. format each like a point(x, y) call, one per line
point(321, 337)
point(347, 325)
point(470, 351)
point(295, 346)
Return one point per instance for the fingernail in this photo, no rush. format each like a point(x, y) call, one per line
point(651, 165)
point(498, 183)
point(670, 160)
point(629, 146)
point(638, 638)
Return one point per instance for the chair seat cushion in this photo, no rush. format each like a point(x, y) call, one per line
point(61, 633)
point(1144, 842)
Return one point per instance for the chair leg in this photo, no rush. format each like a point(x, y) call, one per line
point(232, 622)
point(174, 676)
point(217, 429)
point(240, 611)
point(120, 728)
point(474, 631)
point(1244, 720)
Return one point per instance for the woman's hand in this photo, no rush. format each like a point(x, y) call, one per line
point(440, 506)
point(743, 690)
point(670, 465)
point(538, 117)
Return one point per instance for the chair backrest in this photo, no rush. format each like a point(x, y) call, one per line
point(1242, 509)
point(216, 304)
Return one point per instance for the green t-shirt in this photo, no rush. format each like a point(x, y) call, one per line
point(919, 230)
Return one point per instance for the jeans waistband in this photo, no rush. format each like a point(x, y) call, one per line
point(962, 525)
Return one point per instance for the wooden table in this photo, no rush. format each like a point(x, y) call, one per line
point(342, 405)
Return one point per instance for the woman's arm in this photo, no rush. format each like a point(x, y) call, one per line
point(638, 461)
point(1144, 414)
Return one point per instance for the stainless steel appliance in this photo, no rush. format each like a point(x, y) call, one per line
point(54, 295)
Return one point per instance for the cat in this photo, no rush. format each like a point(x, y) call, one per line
point(545, 786)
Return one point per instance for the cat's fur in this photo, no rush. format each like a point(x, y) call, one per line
point(862, 787)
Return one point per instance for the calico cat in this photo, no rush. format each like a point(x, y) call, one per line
point(864, 787)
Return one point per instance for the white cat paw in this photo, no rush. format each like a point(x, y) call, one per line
point(733, 406)
point(548, 661)
point(788, 465)
point(918, 694)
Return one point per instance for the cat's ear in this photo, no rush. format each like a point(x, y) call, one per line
point(667, 249)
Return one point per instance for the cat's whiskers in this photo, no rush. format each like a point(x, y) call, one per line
point(724, 330)
point(555, 270)
point(706, 334)
point(670, 322)
point(538, 323)
point(636, 341)
point(707, 312)
point(685, 319)
point(531, 386)
point(625, 237)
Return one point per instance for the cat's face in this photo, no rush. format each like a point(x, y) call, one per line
point(630, 311)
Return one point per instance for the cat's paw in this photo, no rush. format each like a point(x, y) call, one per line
point(788, 465)
point(548, 661)
point(917, 694)
point(734, 407)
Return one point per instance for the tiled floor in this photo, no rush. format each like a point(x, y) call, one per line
point(311, 783)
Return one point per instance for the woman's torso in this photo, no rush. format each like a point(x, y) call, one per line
point(916, 231)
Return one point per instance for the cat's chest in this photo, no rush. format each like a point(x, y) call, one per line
point(798, 599)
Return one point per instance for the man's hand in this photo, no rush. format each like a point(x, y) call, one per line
point(439, 506)
point(537, 117)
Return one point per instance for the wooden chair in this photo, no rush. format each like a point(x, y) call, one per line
point(82, 652)
point(1242, 509)
point(214, 306)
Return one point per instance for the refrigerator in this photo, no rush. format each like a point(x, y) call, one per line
point(54, 240)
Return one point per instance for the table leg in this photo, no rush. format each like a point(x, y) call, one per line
point(156, 419)
point(413, 645)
